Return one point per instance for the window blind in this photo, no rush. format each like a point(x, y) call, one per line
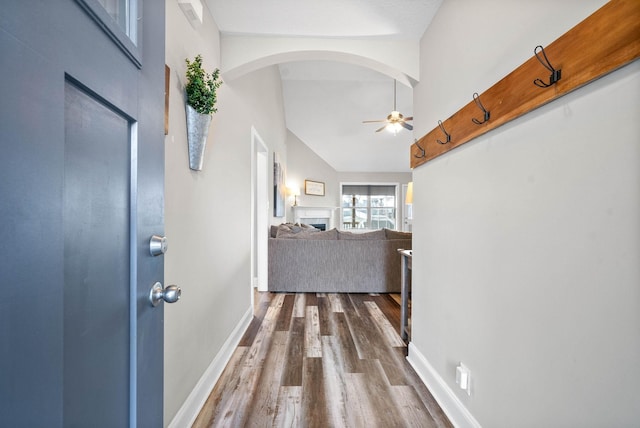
point(371, 190)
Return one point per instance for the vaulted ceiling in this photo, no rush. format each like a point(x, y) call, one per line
point(325, 102)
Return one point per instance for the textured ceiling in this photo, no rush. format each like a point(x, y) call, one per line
point(325, 102)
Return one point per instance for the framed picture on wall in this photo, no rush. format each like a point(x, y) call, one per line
point(315, 188)
point(278, 187)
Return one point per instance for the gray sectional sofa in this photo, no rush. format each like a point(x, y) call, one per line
point(304, 259)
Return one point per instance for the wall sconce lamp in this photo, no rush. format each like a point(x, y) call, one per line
point(408, 201)
point(295, 191)
point(409, 196)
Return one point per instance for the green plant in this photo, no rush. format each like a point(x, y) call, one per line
point(201, 87)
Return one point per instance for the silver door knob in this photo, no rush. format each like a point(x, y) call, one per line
point(170, 294)
point(158, 245)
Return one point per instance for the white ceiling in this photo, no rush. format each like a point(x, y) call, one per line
point(325, 102)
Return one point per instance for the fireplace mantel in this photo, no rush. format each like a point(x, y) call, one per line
point(316, 215)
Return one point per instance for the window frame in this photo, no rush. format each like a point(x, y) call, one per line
point(396, 207)
point(129, 39)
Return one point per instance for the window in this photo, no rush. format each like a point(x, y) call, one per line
point(121, 20)
point(368, 206)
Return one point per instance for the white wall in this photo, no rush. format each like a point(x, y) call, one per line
point(304, 164)
point(527, 239)
point(207, 213)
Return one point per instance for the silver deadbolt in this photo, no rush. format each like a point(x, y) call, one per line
point(158, 245)
point(170, 294)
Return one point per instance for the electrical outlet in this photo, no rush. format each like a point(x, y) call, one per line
point(463, 378)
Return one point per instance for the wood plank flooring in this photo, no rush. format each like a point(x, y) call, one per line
point(321, 360)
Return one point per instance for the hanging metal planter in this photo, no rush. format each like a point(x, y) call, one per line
point(197, 132)
point(200, 92)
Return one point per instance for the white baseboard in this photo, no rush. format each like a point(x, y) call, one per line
point(457, 413)
point(193, 404)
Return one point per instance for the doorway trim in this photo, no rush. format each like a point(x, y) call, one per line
point(259, 212)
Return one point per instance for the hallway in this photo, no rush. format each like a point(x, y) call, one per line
point(321, 360)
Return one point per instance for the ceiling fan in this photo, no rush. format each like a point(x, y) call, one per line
point(395, 121)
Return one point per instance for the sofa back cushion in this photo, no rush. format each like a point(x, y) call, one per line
point(375, 235)
point(395, 234)
point(331, 234)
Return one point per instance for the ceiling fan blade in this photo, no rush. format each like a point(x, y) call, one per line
point(373, 121)
point(406, 126)
point(380, 129)
point(408, 118)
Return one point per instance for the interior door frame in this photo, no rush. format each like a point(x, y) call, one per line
point(259, 213)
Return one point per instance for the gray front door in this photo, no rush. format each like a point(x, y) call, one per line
point(81, 193)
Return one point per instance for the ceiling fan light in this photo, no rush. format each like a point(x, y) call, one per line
point(394, 127)
point(395, 120)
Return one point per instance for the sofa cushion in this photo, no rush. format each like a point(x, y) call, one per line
point(375, 235)
point(395, 234)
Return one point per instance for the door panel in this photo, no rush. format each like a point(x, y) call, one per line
point(81, 180)
point(96, 262)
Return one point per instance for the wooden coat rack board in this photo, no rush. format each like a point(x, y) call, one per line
point(602, 43)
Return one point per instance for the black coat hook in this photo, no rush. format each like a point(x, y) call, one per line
point(486, 112)
point(445, 133)
point(423, 155)
point(555, 74)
